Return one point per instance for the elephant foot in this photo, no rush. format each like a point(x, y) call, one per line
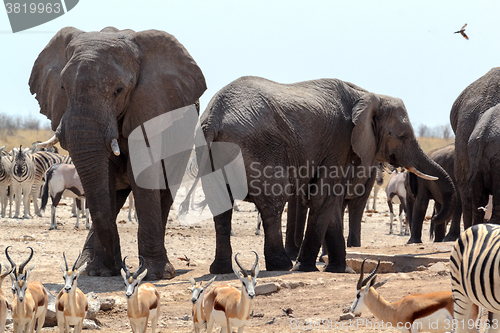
point(343, 268)
point(303, 267)
point(278, 262)
point(414, 241)
point(221, 266)
point(159, 271)
point(353, 243)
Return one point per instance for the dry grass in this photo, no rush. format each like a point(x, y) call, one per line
point(429, 144)
point(25, 138)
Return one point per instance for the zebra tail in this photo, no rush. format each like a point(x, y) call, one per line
point(45, 193)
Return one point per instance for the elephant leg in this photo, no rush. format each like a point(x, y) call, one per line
point(418, 216)
point(356, 209)
point(276, 257)
point(495, 215)
point(439, 230)
point(319, 218)
point(335, 243)
point(222, 263)
point(479, 199)
point(454, 232)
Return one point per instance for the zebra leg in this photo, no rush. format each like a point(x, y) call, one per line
point(34, 196)
point(26, 201)
point(494, 321)
point(17, 192)
point(3, 199)
point(10, 195)
point(462, 310)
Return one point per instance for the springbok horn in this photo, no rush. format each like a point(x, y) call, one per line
point(49, 143)
point(12, 263)
point(127, 272)
point(64, 256)
point(74, 265)
point(421, 175)
point(252, 271)
point(371, 274)
point(21, 267)
point(360, 281)
point(115, 147)
point(141, 262)
point(243, 270)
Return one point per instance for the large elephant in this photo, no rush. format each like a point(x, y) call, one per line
point(420, 191)
point(96, 88)
point(467, 111)
point(321, 126)
point(484, 162)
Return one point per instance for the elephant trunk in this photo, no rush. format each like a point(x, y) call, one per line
point(425, 165)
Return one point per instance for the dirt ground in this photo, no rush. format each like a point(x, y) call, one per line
point(313, 297)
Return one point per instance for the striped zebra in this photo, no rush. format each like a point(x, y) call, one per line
point(5, 180)
point(475, 276)
point(28, 172)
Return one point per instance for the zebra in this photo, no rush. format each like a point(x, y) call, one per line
point(475, 278)
point(5, 182)
point(28, 173)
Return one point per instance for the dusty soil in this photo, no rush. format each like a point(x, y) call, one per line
point(312, 296)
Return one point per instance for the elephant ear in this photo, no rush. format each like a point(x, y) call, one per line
point(45, 80)
point(169, 79)
point(363, 139)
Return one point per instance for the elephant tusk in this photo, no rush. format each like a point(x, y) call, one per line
point(421, 175)
point(49, 143)
point(115, 148)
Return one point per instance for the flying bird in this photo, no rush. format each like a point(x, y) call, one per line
point(462, 32)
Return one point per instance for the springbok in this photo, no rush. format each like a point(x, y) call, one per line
point(413, 313)
point(63, 180)
point(199, 319)
point(227, 305)
point(4, 304)
point(71, 302)
point(143, 302)
point(30, 298)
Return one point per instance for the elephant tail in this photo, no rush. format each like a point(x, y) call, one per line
point(45, 192)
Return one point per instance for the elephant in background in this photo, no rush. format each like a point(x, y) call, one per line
point(467, 111)
point(420, 191)
point(321, 125)
point(484, 162)
point(96, 88)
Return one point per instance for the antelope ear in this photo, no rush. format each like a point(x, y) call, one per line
point(257, 271)
point(141, 276)
point(124, 275)
point(380, 284)
point(210, 282)
point(192, 281)
point(63, 268)
point(82, 268)
point(363, 139)
point(237, 272)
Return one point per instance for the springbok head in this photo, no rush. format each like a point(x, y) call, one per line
point(20, 278)
point(363, 288)
point(248, 280)
point(132, 280)
point(70, 276)
point(197, 290)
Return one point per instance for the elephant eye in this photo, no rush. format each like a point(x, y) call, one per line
point(118, 91)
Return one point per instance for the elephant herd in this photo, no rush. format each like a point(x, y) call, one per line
point(97, 87)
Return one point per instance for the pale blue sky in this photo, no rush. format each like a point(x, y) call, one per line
point(404, 49)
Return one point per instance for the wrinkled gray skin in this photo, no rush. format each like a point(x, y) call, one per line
point(100, 86)
point(484, 162)
point(420, 191)
point(466, 112)
point(327, 122)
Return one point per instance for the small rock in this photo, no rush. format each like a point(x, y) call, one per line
point(421, 268)
point(267, 288)
point(294, 285)
point(107, 304)
point(258, 315)
point(94, 305)
point(347, 316)
point(438, 267)
point(28, 238)
point(90, 325)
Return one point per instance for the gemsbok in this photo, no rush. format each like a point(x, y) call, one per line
point(71, 302)
point(414, 313)
point(30, 302)
point(227, 305)
point(4, 304)
point(143, 302)
point(199, 319)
